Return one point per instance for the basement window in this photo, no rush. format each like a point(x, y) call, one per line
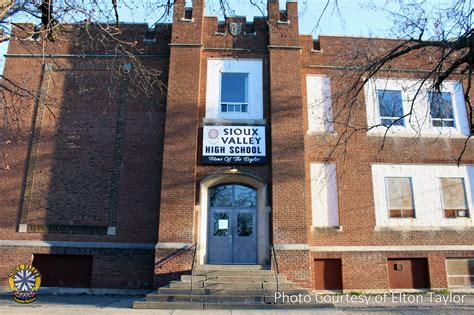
point(453, 191)
point(460, 272)
point(234, 93)
point(400, 197)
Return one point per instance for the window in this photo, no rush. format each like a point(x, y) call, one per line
point(453, 192)
point(460, 272)
point(425, 112)
point(391, 107)
point(320, 117)
point(324, 199)
point(441, 109)
point(235, 82)
point(234, 95)
point(400, 197)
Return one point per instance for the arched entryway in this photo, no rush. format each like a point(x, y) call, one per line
point(232, 234)
point(233, 220)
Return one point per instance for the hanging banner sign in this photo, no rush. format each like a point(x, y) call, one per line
point(233, 145)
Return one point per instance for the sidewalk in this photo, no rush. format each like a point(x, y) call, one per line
point(344, 304)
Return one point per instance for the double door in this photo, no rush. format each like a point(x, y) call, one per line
point(232, 236)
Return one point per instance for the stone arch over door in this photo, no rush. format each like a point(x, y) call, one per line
point(263, 230)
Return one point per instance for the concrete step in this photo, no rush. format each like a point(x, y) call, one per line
point(226, 299)
point(272, 278)
point(232, 267)
point(234, 273)
point(238, 292)
point(201, 305)
point(233, 285)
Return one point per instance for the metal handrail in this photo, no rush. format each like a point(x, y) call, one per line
point(192, 272)
point(176, 254)
point(273, 254)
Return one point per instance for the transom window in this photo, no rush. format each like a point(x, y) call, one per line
point(400, 197)
point(391, 107)
point(234, 93)
point(233, 196)
point(441, 109)
point(453, 191)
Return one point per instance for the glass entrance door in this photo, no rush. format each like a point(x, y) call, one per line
point(232, 235)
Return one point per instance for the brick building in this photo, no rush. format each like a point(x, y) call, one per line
point(235, 151)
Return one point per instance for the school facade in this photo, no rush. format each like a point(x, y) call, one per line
point(235, 155)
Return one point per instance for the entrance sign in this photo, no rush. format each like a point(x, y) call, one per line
point(233, 145)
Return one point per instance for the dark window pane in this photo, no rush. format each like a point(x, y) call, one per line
point(244, 224)
point(441, 105)
point(391, 106)
point(245, 197)
point(221, 196)
point(223, 108)
point(245, 108)
point(234, 88)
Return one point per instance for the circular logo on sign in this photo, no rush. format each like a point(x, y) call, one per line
point(24, 281)
point(213, 133)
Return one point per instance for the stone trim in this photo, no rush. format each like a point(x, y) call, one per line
point(82, 56)
point(391, 248)
point(422, 228)
point(284, 47)
point(66, 229)
point(291, 246)
point(185, 45)
point(171, 245)
point(98, 245)
point(429, 248)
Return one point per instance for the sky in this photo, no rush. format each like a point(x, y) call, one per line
point(366, 18)
point(350, 17)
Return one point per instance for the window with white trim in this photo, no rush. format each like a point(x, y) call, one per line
point(441, 109)
point(423, 195)
point(234, 89)
point(234, 92)
point(400, 197)
point(428, 113)
point(453, 192)
point(320, 116)
point(390, 107)
point(324, 199)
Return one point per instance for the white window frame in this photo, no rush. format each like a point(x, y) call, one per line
point(427, 199)
point(420, 122)
point(443, 119)
point(324, 195)
point(319, 104)
point(391, 118)
point(235, 103)
point(442, 199)
point(217, 66)
point(388, 198)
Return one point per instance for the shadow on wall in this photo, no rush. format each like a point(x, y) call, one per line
point(94, 169)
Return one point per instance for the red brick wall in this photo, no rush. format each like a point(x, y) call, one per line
point(114, 269)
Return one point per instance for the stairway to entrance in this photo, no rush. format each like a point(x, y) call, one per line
point(226, 287)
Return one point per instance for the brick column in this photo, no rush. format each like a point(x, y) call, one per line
point(181, 131)
point(287, 136)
